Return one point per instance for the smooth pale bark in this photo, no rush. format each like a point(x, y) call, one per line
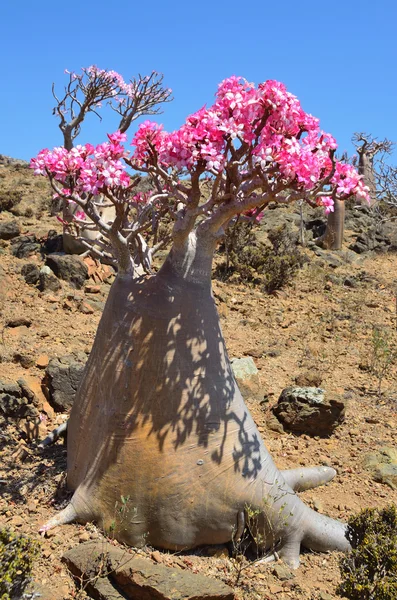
point(71, 245)
point(333, 236)
point(161, 447)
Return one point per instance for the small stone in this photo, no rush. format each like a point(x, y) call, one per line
point(275, 588)
point(84, 537)
point(318, 506)
point(92, 289)
point(19, 322)
point(48, 281)
point(42, 361)
point(24, 360)
point(17, 521)
point(157, 556)
point(31, 273)
point(50, 533)
point(85, 308)
point(282, 572)
point(67, 305)
point(247, 377)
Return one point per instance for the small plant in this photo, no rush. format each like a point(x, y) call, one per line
point(383, 354)
point(17, 554)
point(369, 571)
point(9, 199)
point(272, 266)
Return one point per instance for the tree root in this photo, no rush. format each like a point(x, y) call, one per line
point(307, 478)
point(55, 435)
point(67, 515)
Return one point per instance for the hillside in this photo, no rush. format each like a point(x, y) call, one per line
point(318, 330)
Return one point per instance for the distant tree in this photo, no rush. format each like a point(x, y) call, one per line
point(88, 91)
point(85, 93)
point(367, 149)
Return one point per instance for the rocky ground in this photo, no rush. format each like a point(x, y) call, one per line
point(317, 331)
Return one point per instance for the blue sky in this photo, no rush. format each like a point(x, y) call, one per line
point(338, 57)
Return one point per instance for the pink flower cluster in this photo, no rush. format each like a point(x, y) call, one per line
point(112, 78)
point(86, 169)
point(278, 136)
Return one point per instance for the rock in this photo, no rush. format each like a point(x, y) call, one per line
point(9, 230)
point(19, 322)
point(24, 360)
point(318, 505)
point(383, 465)
point(96, 305)
point(274, 424)
point(138, 578)
point(282, 572)
point(308, 379)
point(31, 273)
point(92, 289)
point(42, 361)
point(85, 308)
point(53, 242)
point(24, 246)
point(247, 377)
point(307, 410)
point(48, 282)
point(330, 258)
point(15, 403)
point(62, 380)
point(69, 268)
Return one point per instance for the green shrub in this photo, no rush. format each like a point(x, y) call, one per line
point(271, 266)
point(369, 571)
point(17, 554)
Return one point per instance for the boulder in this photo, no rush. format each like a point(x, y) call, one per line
point(308, 410)
point(9, 230)
point(69, 268)
point(24, 246)
point(62, 379)
point(247, 377)
point(136, 578)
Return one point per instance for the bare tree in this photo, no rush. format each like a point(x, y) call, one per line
point(367, 148)
point(86, 93)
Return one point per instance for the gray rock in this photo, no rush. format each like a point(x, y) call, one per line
point(24, 246)
point(383, 465)
point(307, 410)
point(31, 273)
point(9, 230)
point(282, 572)
point(136, 578)
point(69, 268)
point(247, 377)
point(329, 258)
point(15, 403)
point(62, 379)
point(48, 282)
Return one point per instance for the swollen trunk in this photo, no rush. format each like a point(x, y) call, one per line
point(161, 447)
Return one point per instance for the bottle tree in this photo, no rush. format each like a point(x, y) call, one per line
point(158, 418)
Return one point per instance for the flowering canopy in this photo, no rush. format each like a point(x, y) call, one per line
point(253, 146)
